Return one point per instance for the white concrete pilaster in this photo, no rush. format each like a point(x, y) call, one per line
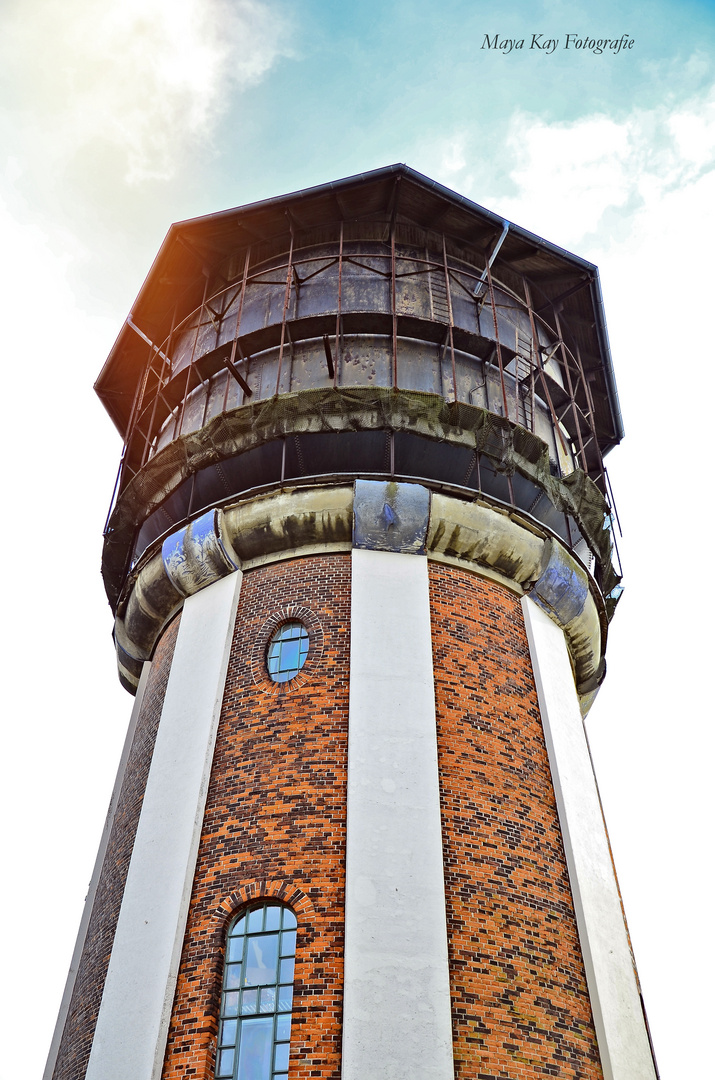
point(94, 882)
point(132, 1025)
point(615, 1001)
point(397, 1016)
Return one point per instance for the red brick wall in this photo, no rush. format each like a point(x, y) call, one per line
point(275, 826)
point(275, 816)
point(78, 1033)
point(519, 998)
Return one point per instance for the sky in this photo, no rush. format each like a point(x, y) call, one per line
point(118, 118)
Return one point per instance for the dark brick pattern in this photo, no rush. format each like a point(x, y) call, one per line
point(520, 1003)
point(78, 1032)
point(275, 817)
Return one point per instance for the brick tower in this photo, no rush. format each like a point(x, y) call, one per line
point(360, 558)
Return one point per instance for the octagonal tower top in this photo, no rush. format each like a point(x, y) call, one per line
point(379, 325)
point(193, 250)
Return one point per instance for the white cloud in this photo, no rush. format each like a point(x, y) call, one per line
point(694, 134)
point(579, 182)
point(570, 172)
point(452, 151)
point(150, 77)
point(585, 179)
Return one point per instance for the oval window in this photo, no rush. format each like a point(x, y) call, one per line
point(287, 651)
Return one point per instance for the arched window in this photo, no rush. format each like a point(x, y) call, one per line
point(257, 998)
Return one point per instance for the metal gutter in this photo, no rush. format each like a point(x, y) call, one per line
point(602, 333)
point(379, 174)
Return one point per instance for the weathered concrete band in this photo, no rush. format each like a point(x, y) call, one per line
point(477, 534)
point(198, 554)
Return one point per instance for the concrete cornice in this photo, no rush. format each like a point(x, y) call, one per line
point(510, 448)
point(473, 535)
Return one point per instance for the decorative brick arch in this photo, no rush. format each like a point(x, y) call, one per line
point(274, 889)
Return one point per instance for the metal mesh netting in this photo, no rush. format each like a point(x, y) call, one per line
point(511, 449)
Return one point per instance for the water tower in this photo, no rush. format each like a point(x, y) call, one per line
point(360, 557)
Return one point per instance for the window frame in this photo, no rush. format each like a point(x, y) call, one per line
point(248, 1002)
point(276, 641)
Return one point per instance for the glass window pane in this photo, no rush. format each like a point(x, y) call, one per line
point(273, 918)
point(233, 976)
point(225, 1063)
point(240, 926)
point(230, 1004)
point(228, 1033)
point(249, 1003)
point(282, 1057)
point(261, 960)
point(254, 1054)
point(288, 943)
point(235, 949)
point(255, 920)
point(289, 655)
point(289, 919)
point(283, 1028)
point(286, 972)
point(285, 998)
point(268, 999)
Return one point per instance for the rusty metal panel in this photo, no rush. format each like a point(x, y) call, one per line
point(418, 366)
point(365, 361)
point(309, 368)
point(316, 284)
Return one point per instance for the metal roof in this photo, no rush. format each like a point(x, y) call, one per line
point(194, 246)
